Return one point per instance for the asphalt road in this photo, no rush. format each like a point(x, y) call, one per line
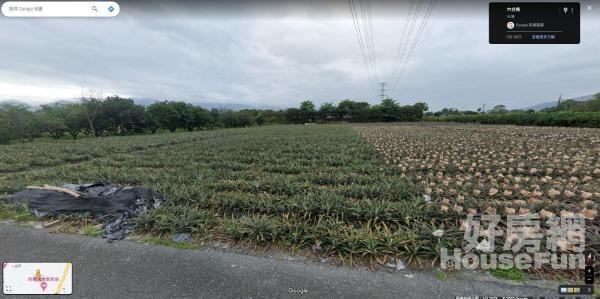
point(127, 269)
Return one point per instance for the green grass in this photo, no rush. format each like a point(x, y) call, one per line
point(513, 273)
point(441, 275)
point(15, 213)
point(169, 243)
point(92, 231)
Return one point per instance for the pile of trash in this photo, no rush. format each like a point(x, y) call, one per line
point(111, 204)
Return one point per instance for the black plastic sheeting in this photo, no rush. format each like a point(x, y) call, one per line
point(113, 204)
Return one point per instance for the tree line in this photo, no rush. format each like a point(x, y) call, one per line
point(114, 115)
point(568, 113)
point(555, 119)
point(567, 105)
point(351, 111)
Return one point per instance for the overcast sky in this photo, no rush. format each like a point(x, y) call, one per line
point(294, 53)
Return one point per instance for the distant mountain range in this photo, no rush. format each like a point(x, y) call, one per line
point(16, 102)
point(150, 101)
point(544, 105)
point(238, 106)
point(212, 105)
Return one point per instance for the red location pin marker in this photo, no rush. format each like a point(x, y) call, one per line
point(43, 285)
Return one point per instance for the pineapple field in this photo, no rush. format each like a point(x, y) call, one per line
point(357, 193)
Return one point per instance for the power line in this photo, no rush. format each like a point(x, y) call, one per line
point(416, 40)
point(363, 28)
point(367, 39)
point(357, 30)
point(372, 39)
point(411, 36)
point(414, 11)
point(421, 29)
point(367, 29)
point(403, 39)
point(362, 18)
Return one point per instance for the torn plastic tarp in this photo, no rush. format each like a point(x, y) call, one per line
point(113, 204)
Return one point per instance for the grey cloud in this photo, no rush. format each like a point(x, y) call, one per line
point(280, 61)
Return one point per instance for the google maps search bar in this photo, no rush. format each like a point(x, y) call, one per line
point(57, 9)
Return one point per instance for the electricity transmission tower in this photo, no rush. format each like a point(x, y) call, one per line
point(382, 90)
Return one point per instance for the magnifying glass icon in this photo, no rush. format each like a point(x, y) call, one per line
point(94, 8)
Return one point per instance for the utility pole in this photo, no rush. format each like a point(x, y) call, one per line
point(382, 94)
